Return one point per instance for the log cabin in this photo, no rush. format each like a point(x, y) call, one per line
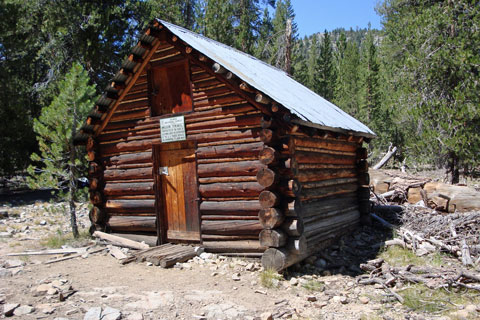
point(196, 142)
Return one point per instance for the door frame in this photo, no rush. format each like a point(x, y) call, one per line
point(160, 207)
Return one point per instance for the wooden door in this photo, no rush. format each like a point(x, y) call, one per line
point(177, 205)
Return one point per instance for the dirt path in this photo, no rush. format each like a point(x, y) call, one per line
point(206, 287)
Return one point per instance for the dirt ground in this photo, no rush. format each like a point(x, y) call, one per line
point(206, 287)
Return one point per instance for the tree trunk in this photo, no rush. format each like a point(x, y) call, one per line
point(452, 169)
point(72, 183)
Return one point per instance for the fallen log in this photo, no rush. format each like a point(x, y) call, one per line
point(119, 241)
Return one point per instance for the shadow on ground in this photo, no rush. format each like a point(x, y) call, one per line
point(345, 255)
point(25, 197)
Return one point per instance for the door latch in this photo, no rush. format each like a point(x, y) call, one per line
point(163, 171)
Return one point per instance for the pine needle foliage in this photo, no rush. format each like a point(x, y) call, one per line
point(59, 163)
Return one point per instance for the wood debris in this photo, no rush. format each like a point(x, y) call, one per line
point(380, 272)
point(165, 255)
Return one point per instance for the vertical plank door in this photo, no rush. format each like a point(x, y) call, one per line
point(178, 194)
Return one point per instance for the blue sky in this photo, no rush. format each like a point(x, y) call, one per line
point(317, 15)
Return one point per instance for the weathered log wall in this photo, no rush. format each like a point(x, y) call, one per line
point(226, 128)
point(262, 181)
point(314, 188)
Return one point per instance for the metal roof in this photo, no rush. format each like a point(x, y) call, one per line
point(275, 83)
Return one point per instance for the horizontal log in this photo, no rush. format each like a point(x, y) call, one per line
point(227, 179)
point(299, 186)
point(130, 105)
point(233, 246)
point(310, 175)
point(267, 177)
point(310, 194)
point(332, 213)
point(243, 168)
point(150, 240)
point(96, 183)
point(323, 158)
point(128, 174)
point(329, 144)
point(224, 135)
point(129, 158)
point(232, 227)
point(268, 156)
point(238, 121)
point(131, 125)
point(297, 245)
point(233, 189)
point(326, 224)
point(213, 101)
point(270, 218)
point(119, 147)
point(293, 227)
point(96, 197)
point(130, 166)
point(332, 232)
point(261, 98)
point(223, 160)
point(227, 217)
point(97, 215)
point(240, 208)
point(218, 112)
point(130, 115)
point(269, 137)
point(129, 188)
point(129, 135)
point(216, 237)
point(268, 199)
point(322, 206)
point(236, 150)
point(280, 258)
point(94, 169)
point(273, 238)
point(132, 224)
point(130, 205)
point(120, 241)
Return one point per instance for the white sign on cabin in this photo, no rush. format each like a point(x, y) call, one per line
point(173, 129)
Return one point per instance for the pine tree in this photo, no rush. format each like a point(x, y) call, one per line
point(264, 37)
point(326, 69)
point(59, 162)
point(433, 49)
point(347, 88)
point(300, 68)
point(218, 21)
point(283, 12)
point(312, 64)
point(247, 23)
point(370, 110)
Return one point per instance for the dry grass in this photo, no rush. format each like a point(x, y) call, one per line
point(269, 278)
point(59, 239)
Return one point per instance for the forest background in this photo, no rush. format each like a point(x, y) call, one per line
point(415, 82)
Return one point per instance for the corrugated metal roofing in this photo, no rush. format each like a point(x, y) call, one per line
point(273, 82)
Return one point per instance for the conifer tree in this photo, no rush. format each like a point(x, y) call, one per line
point(325, 86)
point(218, 21)
point(347, 88)
point(433, 47)
point(312, 64)
point(247, 22)
point(58, 163)
point(264, 36)
point(283, 12)
point(370, 109)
